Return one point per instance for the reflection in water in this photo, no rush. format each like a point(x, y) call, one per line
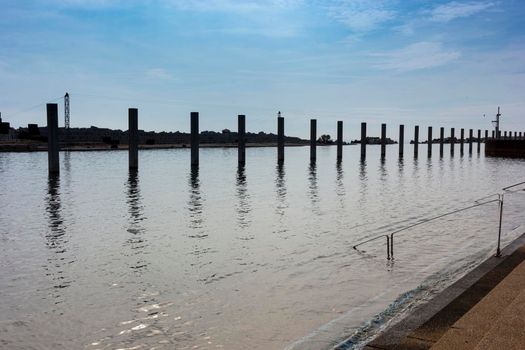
point(313, 191)
point(243, 207)
point(280, 185)
point(136, 241)
point(56, 239)
point(339, 183)
point(363, 179)
point(196, 217)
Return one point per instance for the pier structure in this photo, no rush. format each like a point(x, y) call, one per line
point(52, 138)
point(133, 138)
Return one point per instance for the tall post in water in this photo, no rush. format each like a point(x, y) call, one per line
point(194, 116)
point(441, 140)
point(383, 140)
point(313, 139)
point(133, 138)
point(486, 135)
point(452, 141)
point(429, 142)
point(52, 138)
point(515, 134)
point(241, 135)
point(339, 140)
point(363, 140)
point(470, 137)
point(401, 139)
point(416, 140)
point(479, 141)
point(461, 141)
point(280, 138)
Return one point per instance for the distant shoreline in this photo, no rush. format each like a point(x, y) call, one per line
point(42, 147)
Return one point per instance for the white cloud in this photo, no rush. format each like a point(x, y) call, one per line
point(158, 74)
point(454, 10)
point(233, 5)
point(362, 15)
point(416, 56)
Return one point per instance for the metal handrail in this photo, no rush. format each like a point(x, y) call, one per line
point(375, 238)
point(435, 218)
point(506, 188)
point(390, 237)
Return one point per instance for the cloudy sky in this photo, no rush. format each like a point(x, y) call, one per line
point(439, 63)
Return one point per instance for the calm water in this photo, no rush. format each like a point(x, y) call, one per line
point(221, 257)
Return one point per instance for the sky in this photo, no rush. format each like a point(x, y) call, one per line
point(430, 63)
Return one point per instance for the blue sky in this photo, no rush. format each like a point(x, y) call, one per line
point(438, 63)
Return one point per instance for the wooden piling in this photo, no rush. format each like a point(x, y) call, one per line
point(339, 140)
point(383, 140)
point(452, 140)
point(416, 140)
point(429, 142)
point(241, 138)
point(280, 139)
point(461, 140)
point(133, 138)
point(470, 137)
point(441, 140)
point(52, 138)
point(401, 139)
point(313, 140)
point(479, 141)
point(363, 140)
point(194, 138)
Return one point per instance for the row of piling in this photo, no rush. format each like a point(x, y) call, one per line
point(53, 145)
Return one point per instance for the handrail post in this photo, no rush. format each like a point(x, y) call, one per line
point(392, 246)
point(387, 247)
point(498, 251)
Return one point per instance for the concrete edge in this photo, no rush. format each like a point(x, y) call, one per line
point(395, 333)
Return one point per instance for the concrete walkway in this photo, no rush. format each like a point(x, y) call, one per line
point(484, 310)
point(496, 322)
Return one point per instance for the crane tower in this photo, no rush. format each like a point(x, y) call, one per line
point(66, 111)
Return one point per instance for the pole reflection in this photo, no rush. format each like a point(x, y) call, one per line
point(195, 205)
point(243, 206)
point(339, 183)
point(56, 240)
point(313, 190)
point(136, 241)
point(280, 187)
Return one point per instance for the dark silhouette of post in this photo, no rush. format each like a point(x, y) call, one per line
point(505, 135)
point(429, 142)
point(383, 140)
point(515, 134)
point(52, 138)
point(280, 139)
point(339, 140)
point(441, 140)
point(241, 135)
point(133, 138)
point(479, 141)
point(401, 139)
point(470, 137)
point(461, 141)
point(363, 140)
point(194, 138)
point(416, 140)
point(313, 139)
point(452, 141)
point(493, 133)
point(486, 135)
